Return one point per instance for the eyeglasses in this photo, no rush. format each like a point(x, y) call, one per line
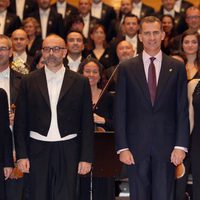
point(55, 49)
point(193, 17)
point(3, 49)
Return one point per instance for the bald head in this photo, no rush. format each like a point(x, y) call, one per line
point(125, 50)
point(19, 40)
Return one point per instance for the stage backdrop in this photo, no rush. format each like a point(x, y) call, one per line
point(115, 3)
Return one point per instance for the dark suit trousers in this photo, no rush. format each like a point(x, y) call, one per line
point(2, 183)
point(151, 179)
point(53, 171)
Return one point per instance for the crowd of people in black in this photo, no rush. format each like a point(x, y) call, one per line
point(91, 39)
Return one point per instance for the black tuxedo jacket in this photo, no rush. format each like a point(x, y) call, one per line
point(74, 111)
point(12, 22)
point(54, 24)
point(29, 7)
point(15, 80)
point(5, 132)
point(184, 6)
point(146, 11)
point(145, 129)
point(69, 13)
point(180, 25)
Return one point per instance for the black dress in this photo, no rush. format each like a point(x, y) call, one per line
point(195, 147)
point(103, 188)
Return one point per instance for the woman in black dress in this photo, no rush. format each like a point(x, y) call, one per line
point(103, 188)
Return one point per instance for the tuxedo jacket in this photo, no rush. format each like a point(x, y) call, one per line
point(29, 7)
point(74, 111)
point(12, 22)
point(184, 6)
point(15, 80)
point(54, 24)
point(69, 13)
point(180, 25)
point(146, 11)
point(5, 132)
point(145, 129)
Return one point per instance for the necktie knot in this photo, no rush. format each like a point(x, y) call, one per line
point(152, 59)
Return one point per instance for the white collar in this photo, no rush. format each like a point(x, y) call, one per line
point(146, 57)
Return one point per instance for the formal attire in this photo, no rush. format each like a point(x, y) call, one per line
point(54, 130)
point(142, 10)
point(10, 82)
point(50, 21)
point(6, 159)
point(67, 11)
point(9, 22)
point(106, 58)
point(195, 161)
point(35, 47)
point(151, 128)
point(106, 184)
point(181, 6)
point(22, 8)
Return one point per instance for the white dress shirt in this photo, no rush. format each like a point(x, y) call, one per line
point(96, 10)
point(177, 6)
point(44, 16)
point(61, 8)
point(20, 8)
point(133, 41)
point(22, 57)
point(137, 9)
point(5, 82)
point(171, 12)
point(86, 25)
point(2, 21)
point(74, 64)
point(54, 83)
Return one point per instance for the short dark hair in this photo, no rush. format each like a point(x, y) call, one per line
point(74, 31)
point(131, 15)
point(150, 19)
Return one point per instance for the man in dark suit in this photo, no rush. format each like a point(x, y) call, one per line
point(8, 21)
point(28, 6)
point(131, 27)
point(84, 8)
point(10, 82)
point(67, 11)
point(54, 126)
point(141, 10)
point(49, 20)
point(151, 116)
point(6, 162)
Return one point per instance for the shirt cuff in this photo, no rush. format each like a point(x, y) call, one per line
point(119, 151)
point(182, 148)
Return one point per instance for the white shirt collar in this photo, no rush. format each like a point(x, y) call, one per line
point(50, 74)
point(59, 4)
point(86, 18)
point(23, 56)
point(146, 57)
point(5, 73)
point(97, 5)
point(171, 12)
point(44, 12)
point(137, 5)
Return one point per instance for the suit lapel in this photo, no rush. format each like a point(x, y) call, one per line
point(166, 69)
point(141, 78)
point(42, 84)
point(66, 85)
